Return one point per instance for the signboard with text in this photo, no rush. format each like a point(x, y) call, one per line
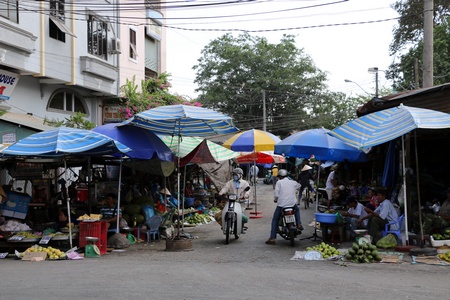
point(111, 114)
point(8, 82)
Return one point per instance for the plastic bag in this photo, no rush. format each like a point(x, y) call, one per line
point(389, 241)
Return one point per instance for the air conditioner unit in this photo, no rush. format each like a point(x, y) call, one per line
point(115, 46)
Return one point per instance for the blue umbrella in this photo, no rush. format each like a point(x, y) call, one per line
point(385, 125)
point(64, 141)
point(319, 143)
point(183, 120)
point(144, 144)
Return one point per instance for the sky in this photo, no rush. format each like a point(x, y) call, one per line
point(343, 37)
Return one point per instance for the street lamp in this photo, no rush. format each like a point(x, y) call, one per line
point(348, 80)
point(374, 70)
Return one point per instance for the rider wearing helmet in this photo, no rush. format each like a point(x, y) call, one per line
point(285, 196)
point(237, 185)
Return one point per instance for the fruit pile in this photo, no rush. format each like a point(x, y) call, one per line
point(326, 250)
point(27, 235)
point(197, 219)
point(445, 256)
point(52, 253)
point(445, 236)
point(365, 253)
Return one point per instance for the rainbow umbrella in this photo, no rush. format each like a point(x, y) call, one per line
point(252, 140)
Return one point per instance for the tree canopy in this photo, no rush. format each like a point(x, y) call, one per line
point(407, 44)
point(153, 92)
point(235, 74)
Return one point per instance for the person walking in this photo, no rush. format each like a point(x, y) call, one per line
point(274, 175)
point(254, 170)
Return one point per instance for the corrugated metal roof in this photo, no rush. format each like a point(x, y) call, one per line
point(25, 120)
point(436, 98)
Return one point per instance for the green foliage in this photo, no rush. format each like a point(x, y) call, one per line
point(153, 92)
point(407, 44)
point(75, 121)
point(235, 73)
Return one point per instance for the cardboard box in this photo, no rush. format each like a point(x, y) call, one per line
point(35, 256)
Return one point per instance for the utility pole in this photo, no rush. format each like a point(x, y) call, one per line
point(428, 7)
point(264, 109)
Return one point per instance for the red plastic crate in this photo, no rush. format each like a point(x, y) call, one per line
point(94, 229)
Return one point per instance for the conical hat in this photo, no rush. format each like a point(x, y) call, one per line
point(165, 191)
point(306, 168)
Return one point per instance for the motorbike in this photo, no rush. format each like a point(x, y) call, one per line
point(232, 217)
point(287, 226)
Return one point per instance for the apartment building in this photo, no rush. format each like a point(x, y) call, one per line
point(58, 57)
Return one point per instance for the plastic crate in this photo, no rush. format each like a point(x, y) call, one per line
point(94, 229)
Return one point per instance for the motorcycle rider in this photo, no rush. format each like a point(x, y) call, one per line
point(285, 196)
point(237, 186)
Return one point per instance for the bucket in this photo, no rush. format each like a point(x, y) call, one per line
point(82, 194)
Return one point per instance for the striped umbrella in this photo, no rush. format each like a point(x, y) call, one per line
point(386, 125)
point(63, 141)
point(183, 120)
point(188, 144)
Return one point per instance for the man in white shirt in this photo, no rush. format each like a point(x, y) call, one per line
point(284, 196)
point(355, 212)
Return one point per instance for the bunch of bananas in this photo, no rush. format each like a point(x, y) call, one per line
point(445, 256)
point(27, 235)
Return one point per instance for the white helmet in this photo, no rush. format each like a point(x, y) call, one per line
point(283, 173)
point(238, 171)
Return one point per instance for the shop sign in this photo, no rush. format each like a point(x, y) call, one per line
point(8, 82)
point(26, 171)
point(9, 138)
point(111, 114)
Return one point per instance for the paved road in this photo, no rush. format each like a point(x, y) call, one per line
point(245, 269)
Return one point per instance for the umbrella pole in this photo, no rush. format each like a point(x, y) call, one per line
point(256, 214)
point(179, 197)
point(418, 189)
point(118, 196)
point(178, 185)
point(404, 191)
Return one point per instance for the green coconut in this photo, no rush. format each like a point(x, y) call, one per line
point(144, 200)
